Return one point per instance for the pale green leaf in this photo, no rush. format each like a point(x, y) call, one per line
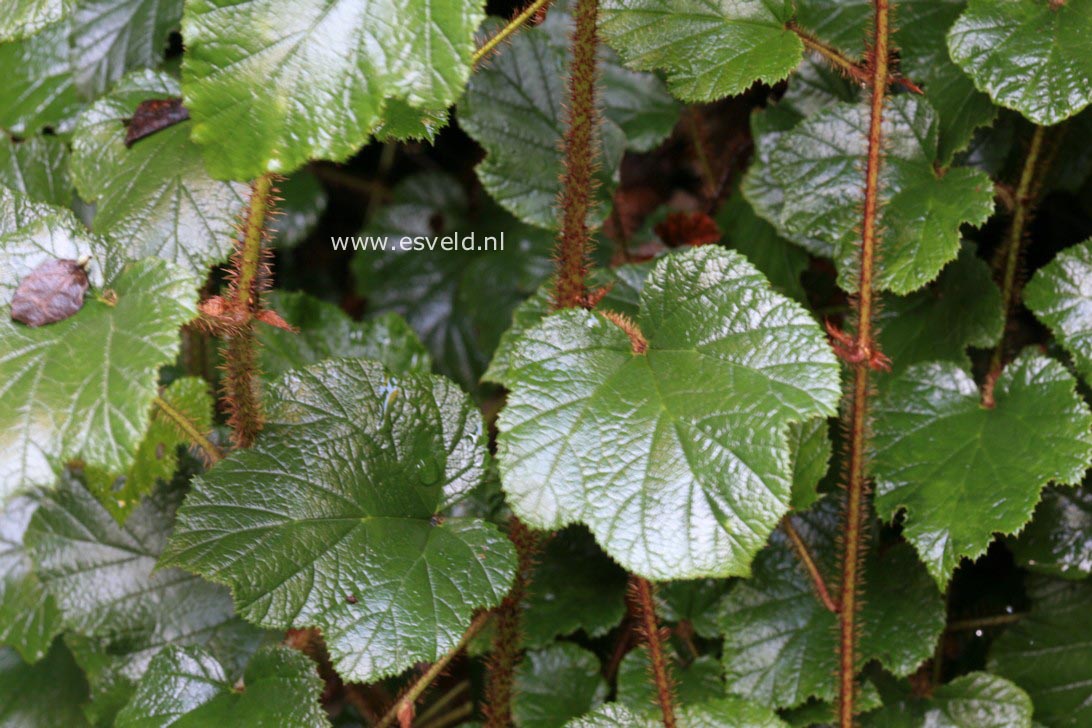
point(963, 471)
point(29, 618)
point(81, 389)
point(271, 85)
point(156, 195)
point(677, 458)
point(23, 18)
point(727, 712)
point(1031, 56)
point(39, 90)
point(110, 37)
point(330, 519)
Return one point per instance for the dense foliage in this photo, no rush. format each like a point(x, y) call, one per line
point(772, 408)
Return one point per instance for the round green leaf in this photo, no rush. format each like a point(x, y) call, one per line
point(331, 519)
point(1060, 295)
point(975, 700)
point(29, 618)
point(676, 458)
point(556, 683)
point(1029, 55)
point(1058, 541)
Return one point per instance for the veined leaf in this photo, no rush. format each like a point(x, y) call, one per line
point(700, 681)
point(330, 520)
point(781, 643)
point(100, 574)
point(822, 161)
point(36, 168)
point(708, 49)
point(110, 37)
point(23, 18)
point(81, 389)
point(1060, 295)
point(189, 688)
point(39, 90)
point(721, 713)
point(1046, 652)
point(271, 86)
point(963, 471)
point(156, 196)
point(1034, 57)
point(676, 458)
point(29, 618)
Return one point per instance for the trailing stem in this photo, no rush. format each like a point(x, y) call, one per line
point(865, 357)
point(1008, 256)
point(644, 608)
point(580, 153)
point(403, 709)
point(249, 277)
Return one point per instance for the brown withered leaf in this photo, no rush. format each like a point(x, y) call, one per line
point(688, 228)
point(154, 115)
point(51, 292)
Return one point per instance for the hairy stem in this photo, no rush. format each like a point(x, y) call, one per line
point(809, 564)
point(404, 705)
point(580, 153)
point(487, 48)
point(505, 655)
point(851, 69)
point(1008, 256)
point(190, 429)
point(645, 609)
point(867, 356)
point(249, 277)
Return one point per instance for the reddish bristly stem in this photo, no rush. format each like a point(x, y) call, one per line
point(644, 608)
point(1008, 256)
point(249, 277)
point(806, 560)
point(580, 157)
point(507, 644)
point(851, 69)
point(853, 535)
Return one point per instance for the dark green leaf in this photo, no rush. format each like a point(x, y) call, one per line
point(327, 332)
point(781, 643)
point(1060, 294)
point(1046, 653)
point(700, 681)
point(328, 521)
point(48, 693)
point(963, 471)
point(555, 684)
point(778, 259)
point(976, 700)
point(729, 365)
point(188, 688)
point(696, 601)
point(303, 200)
point(1058, 541)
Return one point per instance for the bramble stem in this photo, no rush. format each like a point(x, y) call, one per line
point(580, 154)
point(850, 68)
point(809, 564)
point(1008, 256)
point(190, 429)
point(856, 486)
point(645, 608)
point(513, 25)
point(406, 702)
